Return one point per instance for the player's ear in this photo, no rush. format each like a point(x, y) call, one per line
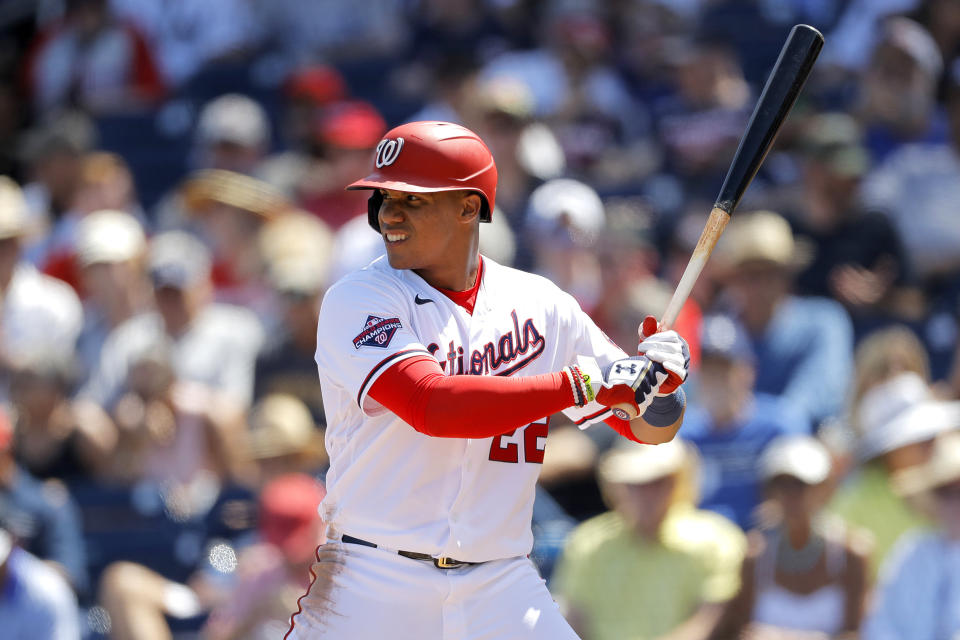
point(470, 207)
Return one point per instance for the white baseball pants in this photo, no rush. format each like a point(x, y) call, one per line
point(363, 593)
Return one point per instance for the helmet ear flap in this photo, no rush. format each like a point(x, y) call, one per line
point(373, 209)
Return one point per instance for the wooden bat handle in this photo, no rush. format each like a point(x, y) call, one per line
point(716, 223)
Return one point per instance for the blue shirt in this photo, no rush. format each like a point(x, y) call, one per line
point(918, 597)
point(805, 354)
point(729, 482)
point(46, 522)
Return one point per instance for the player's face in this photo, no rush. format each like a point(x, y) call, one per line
point(422, 231)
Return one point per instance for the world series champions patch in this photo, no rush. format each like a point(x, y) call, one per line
point(377, 332)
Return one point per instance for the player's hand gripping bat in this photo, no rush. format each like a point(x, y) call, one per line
point(779, 93)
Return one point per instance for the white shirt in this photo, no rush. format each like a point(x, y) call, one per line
point(469, 499)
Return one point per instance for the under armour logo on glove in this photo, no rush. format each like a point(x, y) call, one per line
point(632, 369)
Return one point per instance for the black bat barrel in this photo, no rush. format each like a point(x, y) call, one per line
point(780, 92)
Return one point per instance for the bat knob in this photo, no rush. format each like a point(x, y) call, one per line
point(648, 327)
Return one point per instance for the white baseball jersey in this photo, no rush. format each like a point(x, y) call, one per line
point(470, 499)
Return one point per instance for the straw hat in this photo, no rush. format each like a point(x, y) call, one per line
point(761, 236)
point(210, 186)
point(941, 469)
point(280, 424)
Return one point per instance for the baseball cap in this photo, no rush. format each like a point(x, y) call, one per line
point(280, 424)
point(6, 430)
point(289, 519)
point(178, 260)
point(902, 411)
point(723, 336)
point(634, 463)
point(318, 83)
point(13, 209)
point(233, 118)
point(108, 236)
point(564, 204)
point(353, 124)
point(835, 139)
point(797, 456)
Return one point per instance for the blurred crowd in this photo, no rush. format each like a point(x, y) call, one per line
point(172, 211)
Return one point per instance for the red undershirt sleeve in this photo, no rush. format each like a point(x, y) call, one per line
point(623, 428)
point(435, 404)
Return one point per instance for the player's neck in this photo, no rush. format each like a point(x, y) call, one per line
point(460, 277)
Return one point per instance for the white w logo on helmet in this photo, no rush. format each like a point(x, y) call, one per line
point(387, 152)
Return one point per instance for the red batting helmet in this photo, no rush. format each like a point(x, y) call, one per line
point(422, 157)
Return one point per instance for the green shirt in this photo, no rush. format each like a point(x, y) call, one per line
point(631, 588)
point(869, 502)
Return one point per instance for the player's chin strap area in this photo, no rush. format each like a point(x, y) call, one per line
point(439, 563)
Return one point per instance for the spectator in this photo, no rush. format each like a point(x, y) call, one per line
point(57, 438)
point(38, 312)
point(918, 596)
point(110, 255)
point(187, 35)
point(899, 420)
point(283, 438)
point(307, 90)
point(731, 425)
point(209, 343)
point(296, 250)
point(802, 574)
point(345, 133)
point(700, 123)
point(233, 133)
point(252, 595)
point(564, 222)
point(52, 155)
point(178, 436)
point(898, 89)
point(603, 576)
point(92, 61)
point(273, 574)
point(858, 258)
point(40, 516)
point(230, 210)
point(35, 601)
point(106, 183)
point(804, 346)
point(916, 186)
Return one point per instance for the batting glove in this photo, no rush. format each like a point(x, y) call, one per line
point(631, 381)
point(669, 350)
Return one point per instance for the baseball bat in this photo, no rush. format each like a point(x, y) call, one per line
point(779, 93)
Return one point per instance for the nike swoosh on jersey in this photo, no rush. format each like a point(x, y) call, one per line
point(420, 300)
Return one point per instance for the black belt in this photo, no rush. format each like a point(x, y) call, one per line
point(439, 563)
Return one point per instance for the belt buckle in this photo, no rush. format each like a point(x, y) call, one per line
point(446, 563)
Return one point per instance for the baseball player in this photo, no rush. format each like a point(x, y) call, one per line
point(439, 369)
